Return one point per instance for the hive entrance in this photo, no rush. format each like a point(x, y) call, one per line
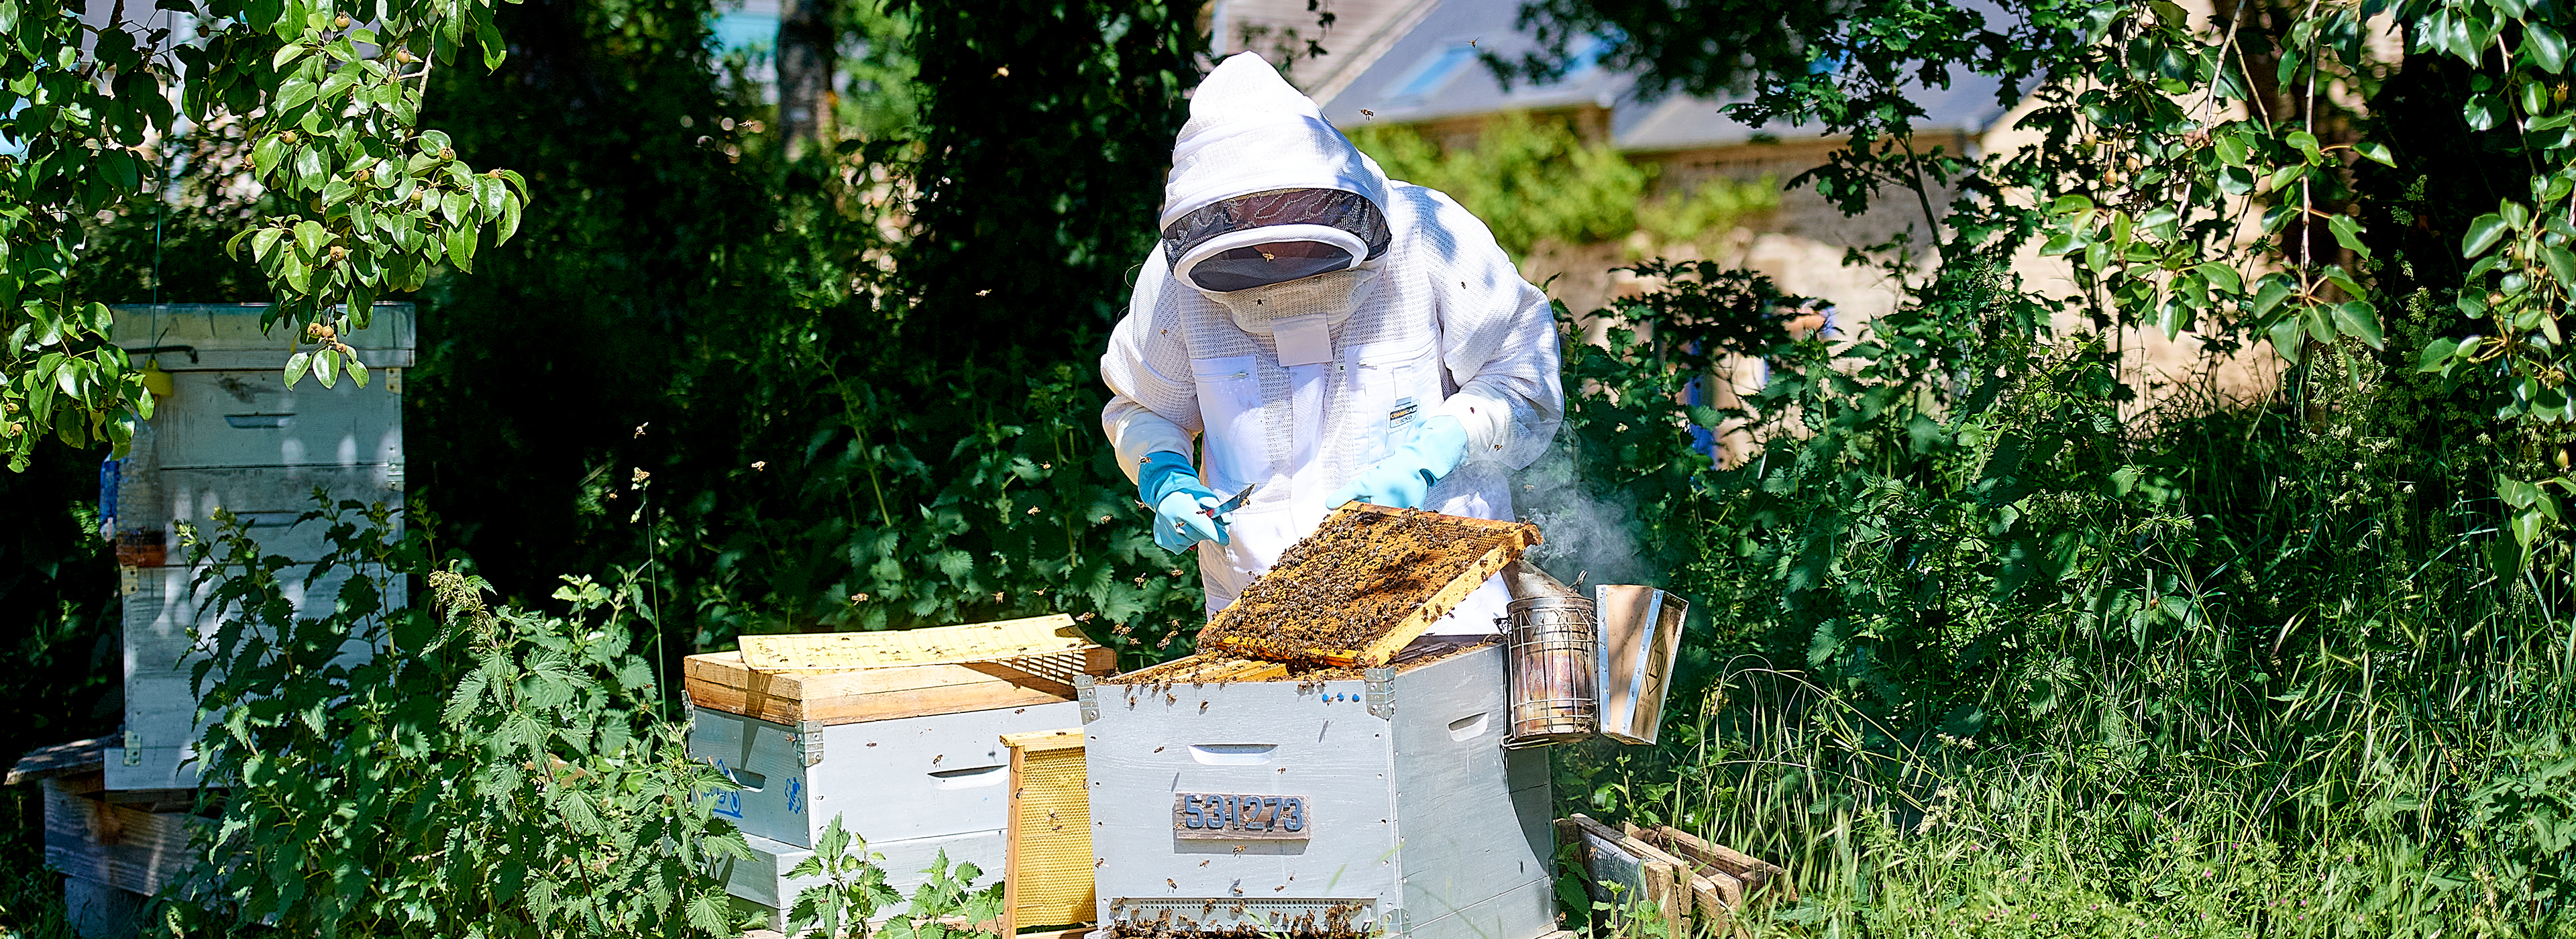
point(1366, 583)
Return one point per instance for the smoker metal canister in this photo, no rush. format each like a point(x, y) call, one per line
point(1553, 668)
point(1640, 633)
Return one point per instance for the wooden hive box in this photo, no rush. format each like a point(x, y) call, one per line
point(908, 756)
point(1230, 799)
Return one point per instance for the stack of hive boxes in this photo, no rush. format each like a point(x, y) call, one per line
point(898, 735)
point(229, 434)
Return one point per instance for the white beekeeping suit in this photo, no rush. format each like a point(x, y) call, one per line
point(1394, 309)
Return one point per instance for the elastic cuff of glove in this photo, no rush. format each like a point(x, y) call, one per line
point(1162, 474)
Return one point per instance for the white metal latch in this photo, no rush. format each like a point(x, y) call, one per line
point(1381, 691)
point(809, 741)
point(133, 748)
point(1086, 689)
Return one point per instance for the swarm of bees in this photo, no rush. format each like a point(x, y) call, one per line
point(1339, 921)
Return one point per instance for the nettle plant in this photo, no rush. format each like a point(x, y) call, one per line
point(454, 769)
point(331, 92)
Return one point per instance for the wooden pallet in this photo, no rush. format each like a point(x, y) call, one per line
point(1365, 584)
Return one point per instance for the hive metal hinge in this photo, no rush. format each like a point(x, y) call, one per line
point(809, 741)
point(133, 748)
point(1381, 691)
point(1086, 689)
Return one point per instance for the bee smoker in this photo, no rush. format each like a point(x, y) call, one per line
point(1553, 659)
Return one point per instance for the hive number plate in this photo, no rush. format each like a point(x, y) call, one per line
point(1232, 817)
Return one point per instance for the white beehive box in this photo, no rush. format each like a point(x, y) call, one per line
point(903, 779)
point(233, 436)
point(909, 758)
point(1411, 817)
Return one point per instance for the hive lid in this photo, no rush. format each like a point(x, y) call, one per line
point(1365, 584)
point(1036, 636)
point(845, 677)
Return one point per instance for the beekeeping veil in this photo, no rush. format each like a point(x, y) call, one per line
point(1263, 190)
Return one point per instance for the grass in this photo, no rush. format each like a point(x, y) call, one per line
point(2329, 715)
point(31, 897)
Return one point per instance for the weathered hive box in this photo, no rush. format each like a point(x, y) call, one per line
point(231, 435)
point(909, 757)
point(1337, 803)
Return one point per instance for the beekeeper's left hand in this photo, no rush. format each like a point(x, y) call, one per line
point(1404, 478)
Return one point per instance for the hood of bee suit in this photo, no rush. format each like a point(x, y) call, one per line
point(1250, 131)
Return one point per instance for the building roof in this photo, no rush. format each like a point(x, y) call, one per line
point(1433, 71)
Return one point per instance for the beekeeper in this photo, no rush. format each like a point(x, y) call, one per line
point(1326, 334)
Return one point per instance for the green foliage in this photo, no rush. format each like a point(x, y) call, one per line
point(861, 384)
point(945, 901)
point(852, 890)
point(1531, 180)
point(948, 905)
point(1989, 657)
point(456, 770)
point(333, 105)
point(1526, 179)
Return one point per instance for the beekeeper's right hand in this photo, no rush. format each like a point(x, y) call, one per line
point(1167, 482)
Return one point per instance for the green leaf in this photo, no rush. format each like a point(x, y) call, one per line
point(2526, 528)
point(295, 367)
point(269, 155)
point(460, 248)
point(2544, 47)
point(2483, 233)
point(311, 236)
point(263, 241)
point(2357, 319)
point(294, 92)
point(2231, 148)
point(2221, 276)
point(2437, 355)
point(285, 54)
point(2274, 289)
point(2284, 176)
point(2376, 152)
point(2288, 337)
point(326, 366)
point(2069, 204)
point(298, 274)
point(2561, 264)
point(2303, 141)
point(2347, 232)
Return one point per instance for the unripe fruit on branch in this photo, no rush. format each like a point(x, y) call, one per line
point(447, 153)
point(340, 22)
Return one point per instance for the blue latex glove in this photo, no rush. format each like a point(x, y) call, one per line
point(1404, 478)
point(1167, 482)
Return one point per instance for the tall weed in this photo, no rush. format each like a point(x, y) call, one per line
point(1983, 656)
point(454, 770)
